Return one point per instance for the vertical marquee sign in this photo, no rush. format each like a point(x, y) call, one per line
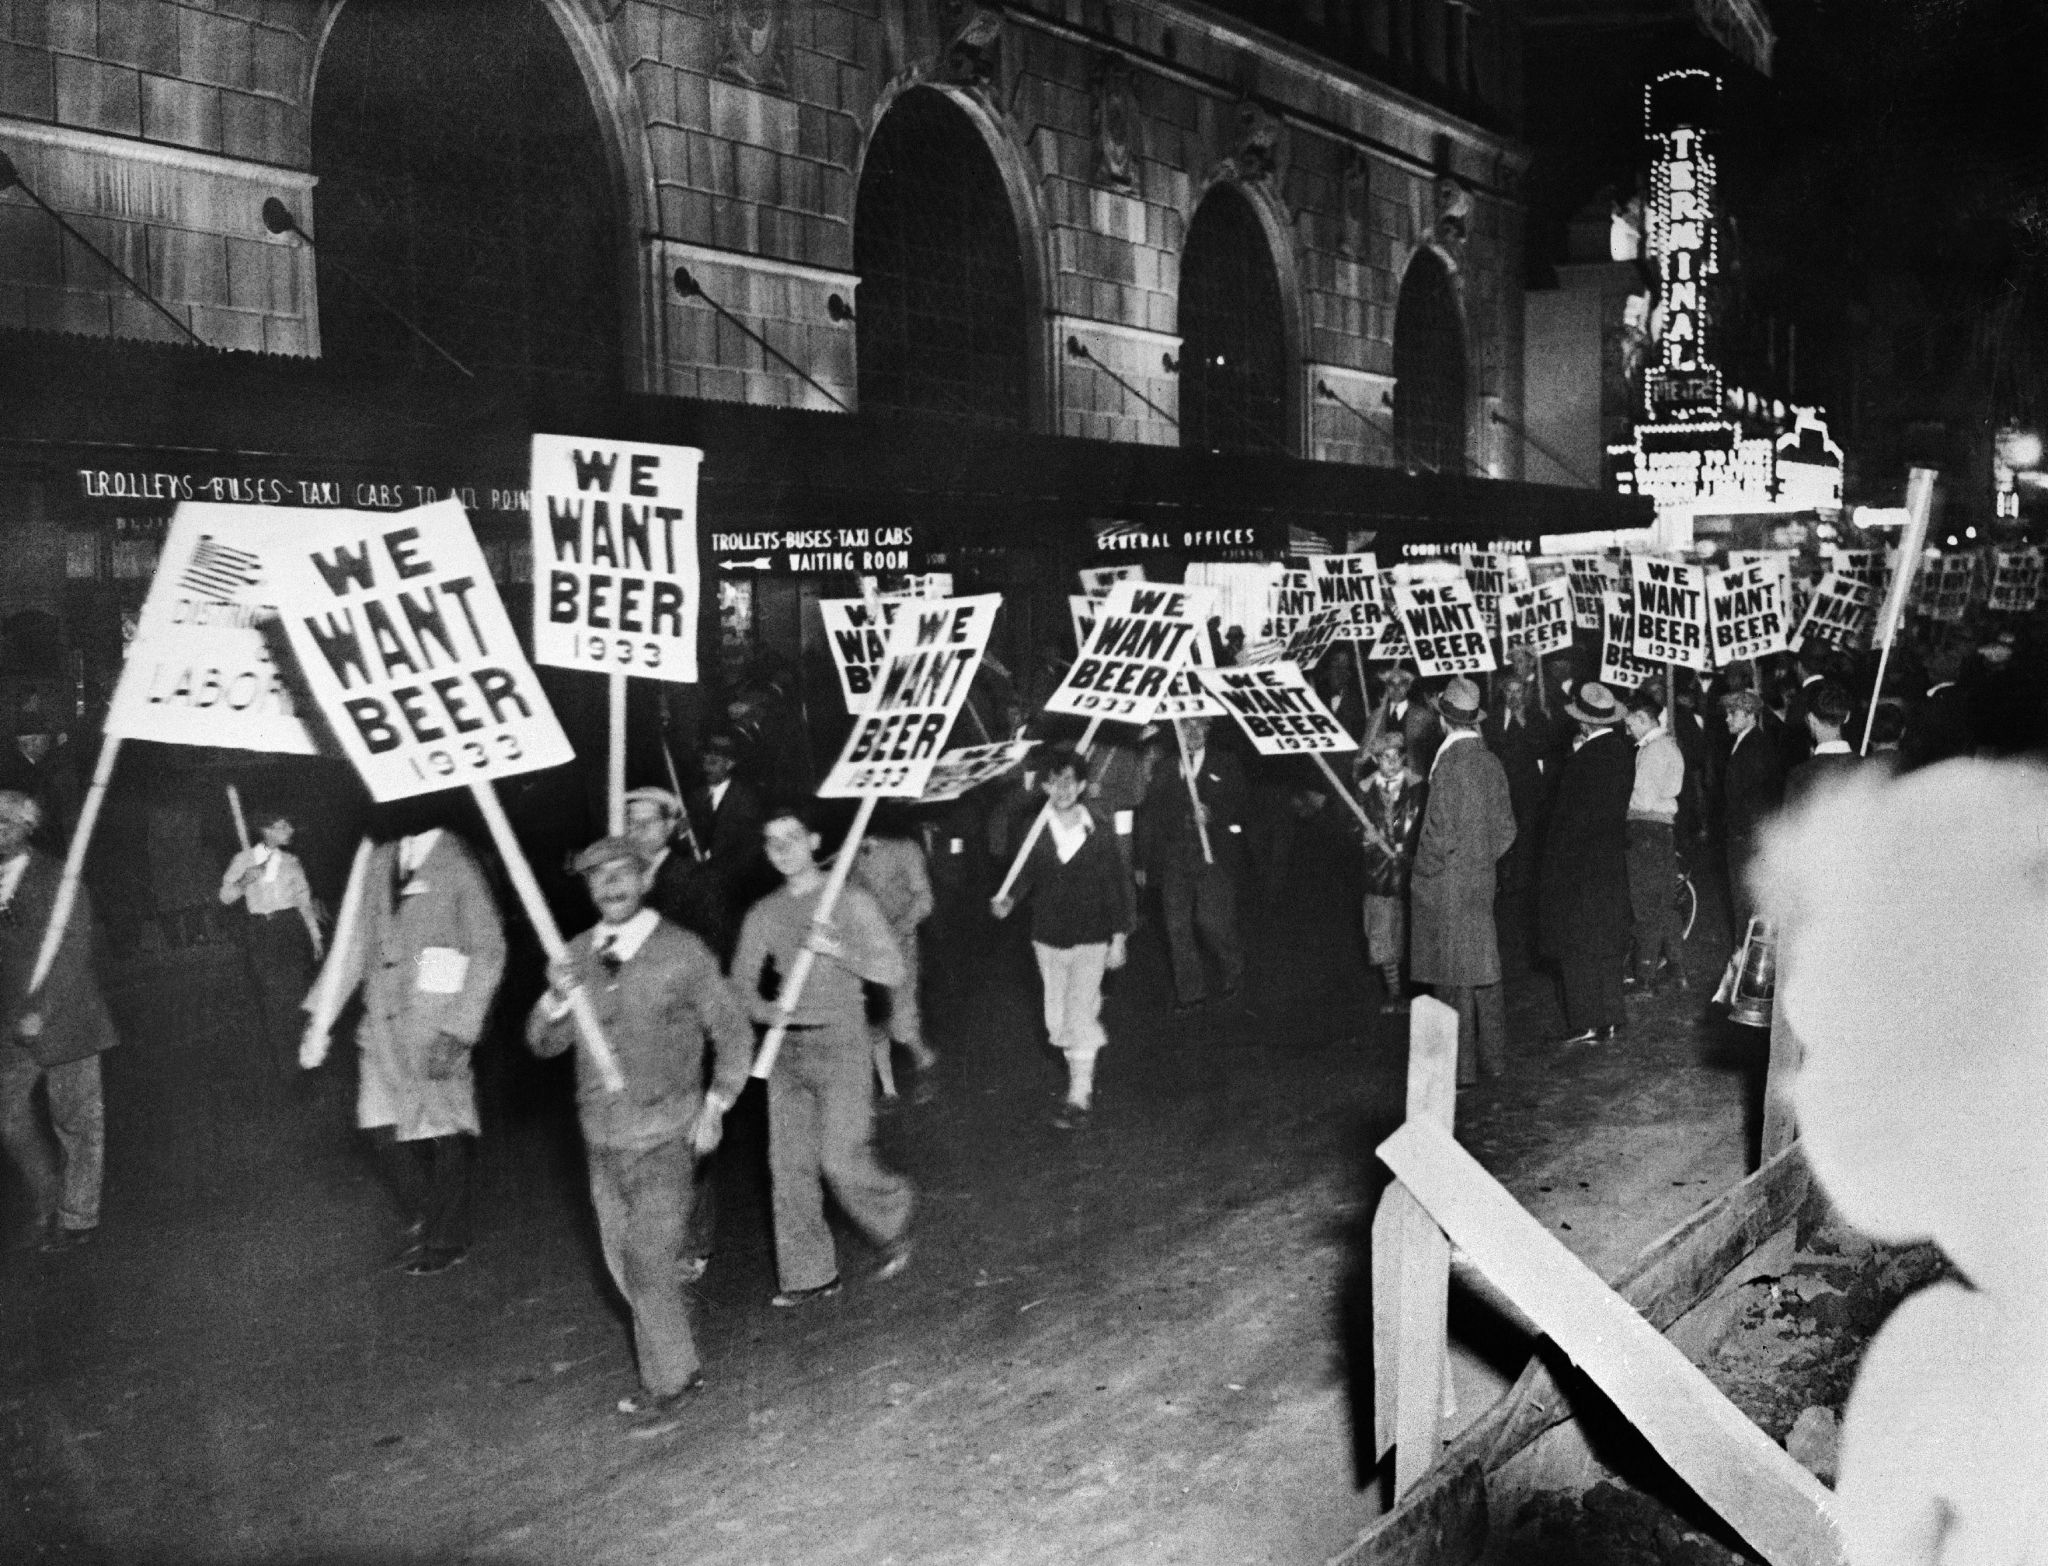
point(1680, 111)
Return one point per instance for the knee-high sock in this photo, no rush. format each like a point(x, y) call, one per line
point(1080, 1077)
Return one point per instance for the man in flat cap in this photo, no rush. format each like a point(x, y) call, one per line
point(659, 996)
point(1467, 824)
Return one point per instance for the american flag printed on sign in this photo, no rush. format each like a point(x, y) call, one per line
point(220, 570)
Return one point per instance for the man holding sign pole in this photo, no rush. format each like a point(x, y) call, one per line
point(1189, 832)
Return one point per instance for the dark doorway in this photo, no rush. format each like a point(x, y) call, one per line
point(1233, 357)
point(1429, 370)
point(943, 325)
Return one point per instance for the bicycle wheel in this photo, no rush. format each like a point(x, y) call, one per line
point(1685, 905)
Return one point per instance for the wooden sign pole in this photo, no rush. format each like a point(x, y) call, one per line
point(74, 863)
point(615, 756)
point(493, 808)
point(325, 1001)
point(241, 821)
point(821, 921)
point(1187, 772)
point(1350, 797)
point(1043, 816)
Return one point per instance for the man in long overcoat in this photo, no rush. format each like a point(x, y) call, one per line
point(429, 953)
point(54, 1037)
point(1582, 900)
point(1466, 827)
point(1752, 788)
point(1197, 897)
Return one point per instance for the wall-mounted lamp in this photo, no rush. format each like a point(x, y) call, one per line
point(1169, 364)
point(689, 288)
point(838, 308)
point(1076, 349)
point(280, 219)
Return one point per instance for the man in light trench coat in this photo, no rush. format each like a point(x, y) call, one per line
point(1467, 825)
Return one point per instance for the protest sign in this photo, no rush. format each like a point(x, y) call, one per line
point(957, 771)
point(615, 557)
point(1490, 575)
point(1670, 600)
point(1840, 612)
point(1949, 583)
point(1294, 600)
point(1538, 617)
point(933, 650)
point(1083, 610)
point(1445, 634)
point(1590, 576)
point(410, 655)
point(1751, 611)
point(923, 584)
point(2015, 579)
point(1620, 669)
point(1096, 581)
point(198, 671)
point(1312, 638)
point(1344, 579)
point(1547, 568)
point(1186, 696)
point(858, 634)
point(1144, 636)
point(1278, 710)
point(1861, 566)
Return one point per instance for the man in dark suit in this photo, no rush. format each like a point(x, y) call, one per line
point(1197, 897)
point(726, 816)
point(1406, 713)
point(1827, 713)
point(681, 889)
point(1467, 824)
point(1521, 739)
point(1582, 899)
point(1752, 787)
point(1938, 726)
point(53, 1037)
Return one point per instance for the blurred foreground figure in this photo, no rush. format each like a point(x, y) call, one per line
point(1913, 936)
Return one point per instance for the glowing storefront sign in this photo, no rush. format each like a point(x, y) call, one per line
point(1682, 382)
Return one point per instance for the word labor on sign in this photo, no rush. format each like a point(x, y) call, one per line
point(934, 648)
point(1345, 579)
point(199, 671)
point(1278, 710)
point(1144, 635)
point(1539, 618)
point(1670, 601)
point(615, 557)
point(1620, 668)
point(408, 651)
point(1445, 633)
point(1751, 611)
point(1840, 613)
point(858, 634)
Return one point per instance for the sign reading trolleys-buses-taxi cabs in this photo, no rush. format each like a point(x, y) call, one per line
point(408, 651)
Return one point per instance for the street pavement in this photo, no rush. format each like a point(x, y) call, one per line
point(1144, 1341)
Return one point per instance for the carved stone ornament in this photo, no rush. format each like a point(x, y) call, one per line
point(1118, 129)
point(1354, 203)
point(972, 55)
point(1261, 150)
point(1453, 212)
point(753, 43)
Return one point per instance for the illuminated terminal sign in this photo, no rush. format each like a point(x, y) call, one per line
point(1682, 381)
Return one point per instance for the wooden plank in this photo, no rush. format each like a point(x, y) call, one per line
point(1777, 1506)
point(1411, 1273)
point(1669, 1277)
point(1445, 1525)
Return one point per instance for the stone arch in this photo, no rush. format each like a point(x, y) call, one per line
point(1258, 400)
point(597, 53)
point(1019, 188)
point(1432, 367)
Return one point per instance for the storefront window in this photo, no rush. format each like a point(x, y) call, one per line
point(1233, 375)
point(941, 318)
point(1429, 370)
point(462, 179)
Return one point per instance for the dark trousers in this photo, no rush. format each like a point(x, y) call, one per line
point(1592, 990)
point(1482, 1029)
point(1741, 905)
point(280, 961)
point(430, 1178)
point(1201, 902)
point(1652, 877)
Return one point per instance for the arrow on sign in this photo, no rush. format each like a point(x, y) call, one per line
point(759, 563)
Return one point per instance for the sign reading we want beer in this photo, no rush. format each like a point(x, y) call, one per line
point(615, 557)
point(1143, 636)
point(408, 651)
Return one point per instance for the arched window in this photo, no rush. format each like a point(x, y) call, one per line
point(942, 322)
point(463, 179)
point(1429, 370)
point(1233, 355)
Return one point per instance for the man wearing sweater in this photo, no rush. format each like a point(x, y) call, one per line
point(821, 1106)
point(659, 996)
point(1082, 910)
point(1652, 859)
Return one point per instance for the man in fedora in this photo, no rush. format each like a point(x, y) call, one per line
point(1582, 908)
point(1467, 825)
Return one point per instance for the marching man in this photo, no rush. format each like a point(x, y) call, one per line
point(659, 995)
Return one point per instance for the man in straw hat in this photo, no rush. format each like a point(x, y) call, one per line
point(1582, 896)
point(1467, 825)
point(659, 995)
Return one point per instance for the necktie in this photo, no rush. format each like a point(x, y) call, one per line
point(608, 953)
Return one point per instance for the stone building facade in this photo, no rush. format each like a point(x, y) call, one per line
point(1376, 238)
